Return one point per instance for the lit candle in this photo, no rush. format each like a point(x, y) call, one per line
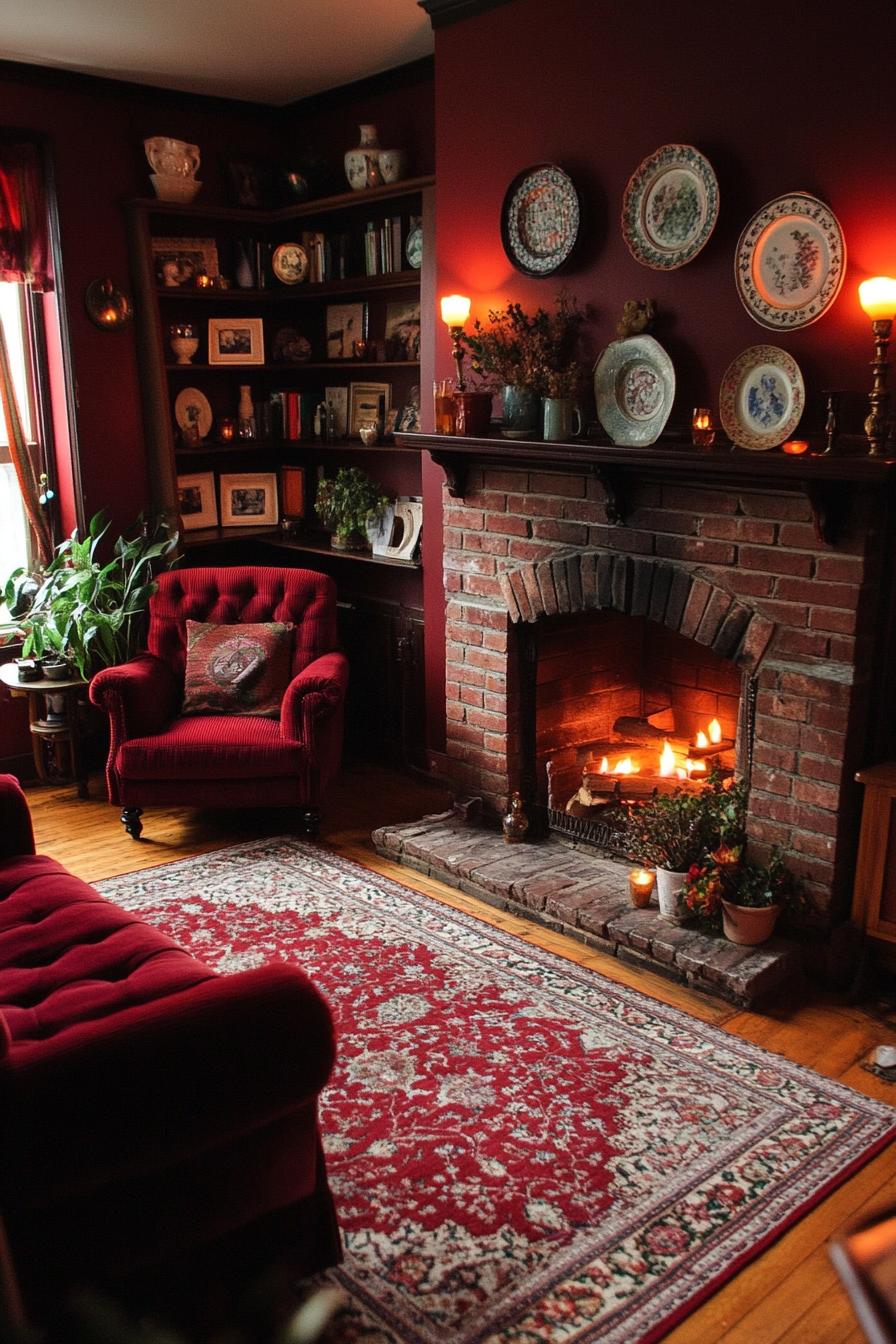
point(795, 446)
point(203, 280)
point(225, 429)
point(640, 886)
point(878, 298)
point(702, 433)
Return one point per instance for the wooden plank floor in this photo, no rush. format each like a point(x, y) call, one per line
point(790, 1293)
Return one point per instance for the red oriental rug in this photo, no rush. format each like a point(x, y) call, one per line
point(519, 1149)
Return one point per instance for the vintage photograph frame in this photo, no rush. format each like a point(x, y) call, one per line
point(235, 340)
point(196, 500)
point(402, 331)
point(364, 403)
point(249, 499)
point(346, 323)
point(337, 398)
point(176, 261)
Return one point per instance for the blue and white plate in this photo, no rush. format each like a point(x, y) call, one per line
point(670, 207)
point(762, 398)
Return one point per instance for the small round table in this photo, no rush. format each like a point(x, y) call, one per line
point(55, 720)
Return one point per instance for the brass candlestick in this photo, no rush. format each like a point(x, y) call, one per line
point(455, 311)
point(878, 397)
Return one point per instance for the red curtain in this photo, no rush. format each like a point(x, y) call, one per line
point(24, 259)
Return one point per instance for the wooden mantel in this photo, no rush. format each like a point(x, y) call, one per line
point(828, 480)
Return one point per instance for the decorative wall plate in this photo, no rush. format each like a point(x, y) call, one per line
point(790, 262)
point(634, 387)
point(413, 248)
point(540, 219)
point(670, 207)
point(290, 263)
point(192, 410)
point(762, 397)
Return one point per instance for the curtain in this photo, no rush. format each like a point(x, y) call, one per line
point(24, 259)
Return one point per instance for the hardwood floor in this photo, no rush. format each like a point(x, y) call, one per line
point(789, 1293)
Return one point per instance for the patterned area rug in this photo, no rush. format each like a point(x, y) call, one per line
point(519, 1149)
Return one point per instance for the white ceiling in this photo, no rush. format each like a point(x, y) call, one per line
point(267, 51)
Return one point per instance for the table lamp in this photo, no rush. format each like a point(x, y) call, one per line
point(455, 311)
point(878, 298)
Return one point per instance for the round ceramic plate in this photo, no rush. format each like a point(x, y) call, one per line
point(762, 397)
point(191, 408)
point(790, 262)
point(670, 207)
point(634, 387)
point(413, 248)
point(290, 263)
point(540, 219)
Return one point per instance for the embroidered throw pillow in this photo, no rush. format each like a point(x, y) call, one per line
point(237, 669)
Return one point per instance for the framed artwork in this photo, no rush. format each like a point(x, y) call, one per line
point(249, 499)
point(196, 501)
point(235, 340)
point(365, 404)
point(408, 420)
point(346, 323)
point(337, 397)
point(251, 181)
point(402, 334)
point(177, 261)
point(292, 491)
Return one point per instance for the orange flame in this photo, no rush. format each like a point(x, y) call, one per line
point(701, 740)
point(667, 760)
point(715, 731)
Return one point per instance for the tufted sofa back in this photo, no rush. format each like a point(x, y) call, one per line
point(243, 595)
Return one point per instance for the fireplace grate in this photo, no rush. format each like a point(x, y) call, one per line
point(597, 833)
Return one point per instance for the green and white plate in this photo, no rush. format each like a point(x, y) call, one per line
point(634, 387)
point(670, 207)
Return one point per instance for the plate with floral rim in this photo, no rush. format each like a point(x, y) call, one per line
point(192, 411)
point(289, 262)
point(790, 262)
point(762, 398)
point(634, 387)
point(540, 219)
point(670, 207)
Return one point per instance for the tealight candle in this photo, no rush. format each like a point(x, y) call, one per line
point(203, 280)
point(795, 446)
point(226, 429)
point(640, 886)
point(703, 435)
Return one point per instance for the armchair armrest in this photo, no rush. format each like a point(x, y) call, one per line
point(140, 696)
point(220, 1058)
point(314, 698)
point(16, 833)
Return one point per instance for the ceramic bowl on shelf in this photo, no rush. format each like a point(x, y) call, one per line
point(173, 188)
point(171, 158)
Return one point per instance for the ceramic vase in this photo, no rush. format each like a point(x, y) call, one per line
point(184, 348)
point(520, 411)
point(245, 277)
point(749, 925)
point(391, 164)
point(245, 413)
point(670, 895)
point(362, 166)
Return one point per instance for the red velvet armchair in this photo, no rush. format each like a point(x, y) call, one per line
point(157, 755)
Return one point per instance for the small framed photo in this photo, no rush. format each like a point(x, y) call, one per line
point(235, 340)
point(346, 323)
point(196, 501)
point(292, 491)
point(337, 397)
point(367, 401)
point(177, 261)
point(249, 499)
point(402, 333)
point(408, 421)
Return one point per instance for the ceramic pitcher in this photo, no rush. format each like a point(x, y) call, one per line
point(562, 419)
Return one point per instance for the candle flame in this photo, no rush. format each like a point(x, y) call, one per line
point(667, 760)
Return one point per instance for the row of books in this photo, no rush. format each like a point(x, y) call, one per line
point(290, 416)
point(344, 255)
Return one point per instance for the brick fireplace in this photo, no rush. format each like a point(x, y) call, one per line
point(780, 571)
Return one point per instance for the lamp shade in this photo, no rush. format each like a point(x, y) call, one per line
point(878, 297)
point(455, 310)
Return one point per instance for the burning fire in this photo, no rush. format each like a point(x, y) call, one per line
point(667, 761)
point(670, 764)
point(715, 735)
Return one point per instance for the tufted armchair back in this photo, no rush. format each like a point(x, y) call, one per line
point(244, 595)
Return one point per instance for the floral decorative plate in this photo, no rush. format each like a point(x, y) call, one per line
point(290, 263)
point(413, 248)
point(191, 409)
point(762, 397)
point(634, 387)
point(670, 207)
point(790, 262)
point(540, 219)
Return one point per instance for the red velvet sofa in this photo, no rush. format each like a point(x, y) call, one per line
point(150, 1108)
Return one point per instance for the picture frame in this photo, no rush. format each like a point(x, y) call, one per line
point(292, 492)
point(251, 181)
point(177, 261)
point(196, 500)
point(346, 323)
point(249, 499)
point(235, 340)
point(408, 421)
point(402, 331)
point(337, 398)
point(364, 404)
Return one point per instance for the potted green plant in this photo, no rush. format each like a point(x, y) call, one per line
point(84, 613)
point(344, 505)
point(745, 897)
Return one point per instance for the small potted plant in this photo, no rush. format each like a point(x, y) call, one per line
point(345, 504)
point(747, 898)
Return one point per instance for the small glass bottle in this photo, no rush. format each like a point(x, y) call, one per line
point(515, 824)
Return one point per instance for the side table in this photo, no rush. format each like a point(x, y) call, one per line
point(55, 719)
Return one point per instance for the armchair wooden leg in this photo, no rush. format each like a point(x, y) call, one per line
point(309, 822)
point(130, 820)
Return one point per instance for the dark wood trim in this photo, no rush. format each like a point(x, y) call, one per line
point(443, 12)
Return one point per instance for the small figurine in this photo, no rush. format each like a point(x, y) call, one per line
point(516, 823)
point(637, 316)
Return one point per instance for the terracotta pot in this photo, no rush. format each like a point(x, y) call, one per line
point(749, 924)
point(473, 413)
point(670, 895)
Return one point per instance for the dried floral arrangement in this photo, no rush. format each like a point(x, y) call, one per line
point(540, 352)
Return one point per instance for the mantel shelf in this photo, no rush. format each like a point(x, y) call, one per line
point(826, 479)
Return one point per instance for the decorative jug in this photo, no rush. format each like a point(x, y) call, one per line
point(171, 158)
point(362, 166)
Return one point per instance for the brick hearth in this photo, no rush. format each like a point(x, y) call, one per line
point(577, 892)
